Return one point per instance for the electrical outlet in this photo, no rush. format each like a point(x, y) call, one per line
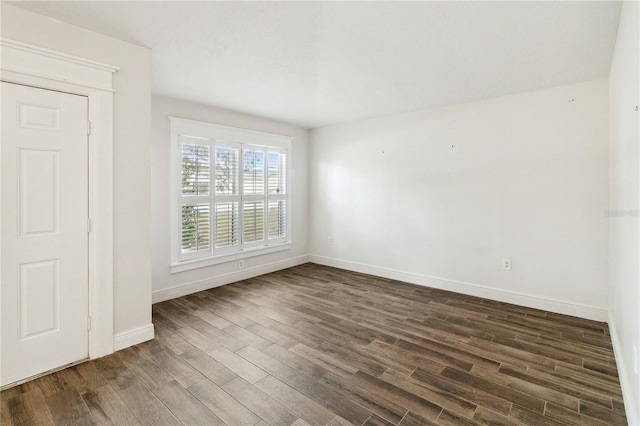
point(506, 264)
point(635, 359)
point(240, 264)
point(331, 241)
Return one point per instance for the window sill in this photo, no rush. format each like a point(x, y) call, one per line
point(188, 265)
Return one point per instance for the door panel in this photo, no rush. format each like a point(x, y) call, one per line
point(39, 303)
point(44, 231)
point(39, 192)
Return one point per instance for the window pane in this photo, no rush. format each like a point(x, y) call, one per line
point(195, 227)
point(277, 218)
point(227, 171)
point(253, 216)
point(195, 169)
point(253, 173)
point(277, 177)
point(227, 224)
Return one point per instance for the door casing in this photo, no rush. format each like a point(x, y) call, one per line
point(34, 66)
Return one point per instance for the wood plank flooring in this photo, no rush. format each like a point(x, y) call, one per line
point(313, 345)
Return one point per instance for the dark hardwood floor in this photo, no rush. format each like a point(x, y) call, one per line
point(321, 346)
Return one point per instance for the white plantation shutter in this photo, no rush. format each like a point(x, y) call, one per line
point(195, 228)
point(227, 198)
point(227, 170)
point(195, 169)
point(233, 196)
point(195, 207)
point(277, 194)
point(253, 173)
point(277, 219)
point(253, 215)
point(227, 225)
point(277, 170)
point(254, 193)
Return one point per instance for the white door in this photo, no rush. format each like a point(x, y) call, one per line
point(44, 231)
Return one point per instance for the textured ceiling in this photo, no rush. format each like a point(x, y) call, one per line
point(319, 63)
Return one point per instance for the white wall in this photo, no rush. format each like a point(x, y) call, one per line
point(439, 197)
point(132, 166)
point(167, 285)
point(624, 194)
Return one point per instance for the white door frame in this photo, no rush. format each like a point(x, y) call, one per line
point(47, 69)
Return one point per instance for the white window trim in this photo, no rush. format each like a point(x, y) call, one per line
point(184, 127)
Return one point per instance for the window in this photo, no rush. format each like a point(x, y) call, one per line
point(230, 192)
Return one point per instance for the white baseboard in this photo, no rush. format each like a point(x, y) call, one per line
point(561, 307)
point(217, 281)
point(133, 337)
point(632, 408)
